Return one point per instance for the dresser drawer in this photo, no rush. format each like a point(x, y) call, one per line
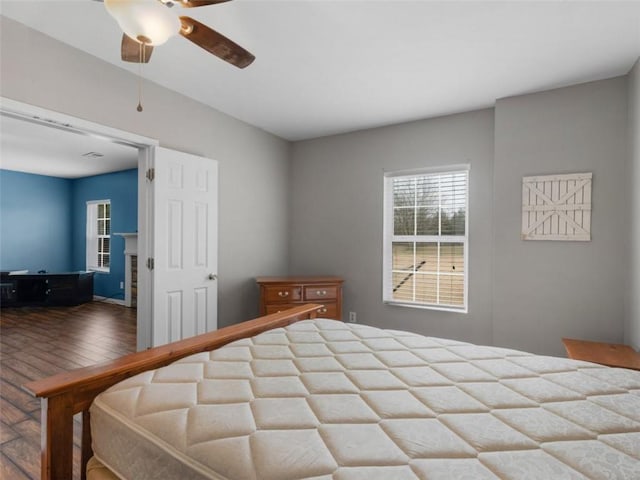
point(282, 293)
point(321, 292)
point(329, 310)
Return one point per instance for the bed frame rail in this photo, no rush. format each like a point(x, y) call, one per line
point(68, 393)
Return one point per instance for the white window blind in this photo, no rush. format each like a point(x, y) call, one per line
point(99, 235)
point(425, 239)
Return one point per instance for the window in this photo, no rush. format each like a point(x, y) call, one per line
point(98, 235)
point(425, 238)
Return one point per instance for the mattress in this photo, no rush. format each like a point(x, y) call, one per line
point(325, 400)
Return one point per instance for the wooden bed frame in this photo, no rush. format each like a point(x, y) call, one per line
point(65, 394)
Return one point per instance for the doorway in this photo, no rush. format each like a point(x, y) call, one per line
point(108, 138)
point(179, 299)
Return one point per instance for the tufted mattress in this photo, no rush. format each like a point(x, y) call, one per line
point(325, 400)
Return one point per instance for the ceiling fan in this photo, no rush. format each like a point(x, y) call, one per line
point(148, 23)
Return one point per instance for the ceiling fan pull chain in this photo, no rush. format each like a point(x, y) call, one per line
point(139, 108)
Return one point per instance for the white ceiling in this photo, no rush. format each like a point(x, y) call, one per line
point(31, 147)
point(326, 67)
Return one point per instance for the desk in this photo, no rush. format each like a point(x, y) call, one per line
point(45, 289)
point(610, 354)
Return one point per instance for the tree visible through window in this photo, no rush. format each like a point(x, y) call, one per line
point(99, 235)
point(426, 239)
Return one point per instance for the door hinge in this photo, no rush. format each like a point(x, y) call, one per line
point(150, 263)
point(151, 174)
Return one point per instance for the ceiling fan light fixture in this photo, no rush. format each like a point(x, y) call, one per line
point(146, 21)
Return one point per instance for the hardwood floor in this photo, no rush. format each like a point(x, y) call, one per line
point(38, 342)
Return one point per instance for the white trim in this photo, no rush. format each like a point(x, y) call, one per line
point(98, 269)
point(146, 199)
point(35, 114)
point(92, 249)
point(428, 170)
point(115, 301)
point(130, 250)
point(424, 306)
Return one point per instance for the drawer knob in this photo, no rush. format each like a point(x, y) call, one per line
point(321, 293)
point(283, 294)
point(322, 310)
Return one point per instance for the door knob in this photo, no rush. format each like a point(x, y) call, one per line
point(213, 276)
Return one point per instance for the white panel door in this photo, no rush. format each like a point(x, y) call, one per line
point(185, 246)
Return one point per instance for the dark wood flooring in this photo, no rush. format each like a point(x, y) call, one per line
point(39, 342)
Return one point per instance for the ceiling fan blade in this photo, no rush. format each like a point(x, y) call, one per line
point(199, 3)
point(215, 43)
point(130, 50)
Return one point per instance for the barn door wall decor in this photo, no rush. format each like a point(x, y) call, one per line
point(557, 207)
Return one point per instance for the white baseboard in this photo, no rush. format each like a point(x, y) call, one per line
point(115, 301)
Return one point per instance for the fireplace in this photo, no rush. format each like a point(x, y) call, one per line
point(130, 268)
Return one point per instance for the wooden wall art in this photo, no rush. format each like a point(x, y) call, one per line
point(557, 207)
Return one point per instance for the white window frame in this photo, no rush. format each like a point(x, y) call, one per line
point(390, 238)
point(92, 252)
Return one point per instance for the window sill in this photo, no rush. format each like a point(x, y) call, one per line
point(98, 270)
point(441, 308)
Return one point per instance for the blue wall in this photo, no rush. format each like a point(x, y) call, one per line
point(35, 222)
point(43, 223)
point(122, 189)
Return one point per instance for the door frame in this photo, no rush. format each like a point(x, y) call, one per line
point(146, 151)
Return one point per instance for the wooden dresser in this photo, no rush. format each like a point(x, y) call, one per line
point(280, 293)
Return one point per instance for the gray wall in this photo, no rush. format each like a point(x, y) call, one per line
point(632, 327)
point(546, 290)
point(254, 165)
point(522, 294)
point(525, 295)
point(337, 214)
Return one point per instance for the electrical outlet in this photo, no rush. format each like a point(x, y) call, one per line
point(352, 317)
point(121, 285)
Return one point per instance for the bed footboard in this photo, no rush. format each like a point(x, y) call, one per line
point(65, 394)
